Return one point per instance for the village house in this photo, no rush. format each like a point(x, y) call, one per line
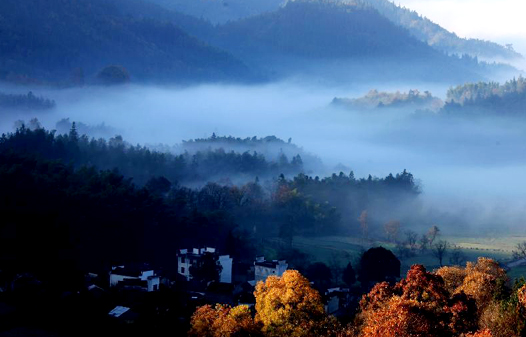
point(188, 258)
point(135, 277)
point(264, 269)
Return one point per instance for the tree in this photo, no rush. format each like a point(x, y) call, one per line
point(206, 270)
point(432, 234)
point(377, 265)
point(349, 276)
point(158, 186)
point(457, 257)
point(416, 306)
point(424, 241)
point(440, 250)
point(288, 306)
point(223, 321)
point(410, 238)
point(520, 251)
point(112, 75)
point(364, 226)
point(392, 228)
point(320, 274)
point(479, 280)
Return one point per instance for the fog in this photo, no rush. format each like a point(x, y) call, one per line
point(470, 171)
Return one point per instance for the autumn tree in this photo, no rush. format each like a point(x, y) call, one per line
point(288, 306)
point(419, 306)
point(392, 228)
point(364, 225)
point(482, 281)
point(223, 321)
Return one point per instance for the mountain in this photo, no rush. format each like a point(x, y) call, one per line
point(437, 37)
point(329, 39)
point(52, 40)
point(220, 11)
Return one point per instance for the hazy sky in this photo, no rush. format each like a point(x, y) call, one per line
point(497, 20)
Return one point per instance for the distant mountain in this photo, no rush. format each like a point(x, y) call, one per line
point(52, 40)
point(429, 32)
point(337, 39)
point(221, 11)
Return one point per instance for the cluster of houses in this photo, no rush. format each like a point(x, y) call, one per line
point(236, 282)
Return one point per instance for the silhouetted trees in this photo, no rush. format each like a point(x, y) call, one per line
point(378, 265)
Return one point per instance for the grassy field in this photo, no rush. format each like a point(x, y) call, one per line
point(341, 250)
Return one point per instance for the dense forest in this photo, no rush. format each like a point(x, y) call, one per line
point(69, 41)
point(25, 102)
point(374, 99)
point(221, 11)
point(72, 190)
point(488, 98)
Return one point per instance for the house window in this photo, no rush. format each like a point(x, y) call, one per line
point(182, 270)
point(155, 287)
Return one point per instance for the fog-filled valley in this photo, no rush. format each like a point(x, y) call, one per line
point(258, 168)
point(468, 167)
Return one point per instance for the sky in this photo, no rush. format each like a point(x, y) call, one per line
point(496, 20)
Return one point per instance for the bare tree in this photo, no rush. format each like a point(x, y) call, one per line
point(432, 234)
point(457, 258)
point(440, 250)
point(410, 238)
point(520, 251)
point(424, 241)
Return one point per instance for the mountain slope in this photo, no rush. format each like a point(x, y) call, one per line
point(49, 39)
point(429, 32)
point(220, 11)
point(304, 35)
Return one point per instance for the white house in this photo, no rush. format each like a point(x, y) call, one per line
point(188, 258)
point(264, 269)
point(138, 278)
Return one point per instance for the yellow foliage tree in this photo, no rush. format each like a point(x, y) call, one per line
point(288, 306)
point(223, 321)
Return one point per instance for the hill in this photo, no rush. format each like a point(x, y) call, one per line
point(307, 35)
point(53, 40)
point(437, 37)
point(221, 11)
point(487, 99)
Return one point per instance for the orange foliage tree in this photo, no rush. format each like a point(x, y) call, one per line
point(478, 280)
point(418, 306)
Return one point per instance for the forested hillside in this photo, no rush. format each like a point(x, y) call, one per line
point(488, 98)
point(439, 38)
point(221, 11)
point(336, 38)
point(54, 40)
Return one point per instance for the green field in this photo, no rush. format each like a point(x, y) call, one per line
point(342, 249)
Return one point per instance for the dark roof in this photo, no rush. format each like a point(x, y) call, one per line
point(133, 270)
point(268, 264)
